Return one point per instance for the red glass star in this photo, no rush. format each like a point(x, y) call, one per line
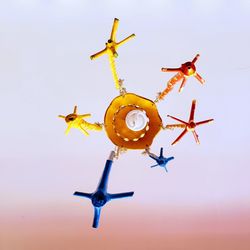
point(188, 126)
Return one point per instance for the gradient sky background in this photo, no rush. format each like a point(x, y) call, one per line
point(204, 200)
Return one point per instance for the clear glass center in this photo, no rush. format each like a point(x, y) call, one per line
point(136, 120)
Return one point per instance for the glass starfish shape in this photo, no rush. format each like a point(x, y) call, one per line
point(188, 126)
point(77, 121)
point(111, 50)
point(186, 70)
point(160, 160)
point(100, 197)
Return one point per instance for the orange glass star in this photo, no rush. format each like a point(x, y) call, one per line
point(186, 70)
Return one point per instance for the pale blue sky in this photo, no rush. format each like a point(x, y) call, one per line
point(45, 70)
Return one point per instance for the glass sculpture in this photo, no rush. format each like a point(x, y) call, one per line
point(132, 121)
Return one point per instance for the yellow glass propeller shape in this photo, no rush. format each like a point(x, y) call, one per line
point(111, 50)
point(77, 121)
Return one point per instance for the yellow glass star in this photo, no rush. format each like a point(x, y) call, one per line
point(77, 121)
